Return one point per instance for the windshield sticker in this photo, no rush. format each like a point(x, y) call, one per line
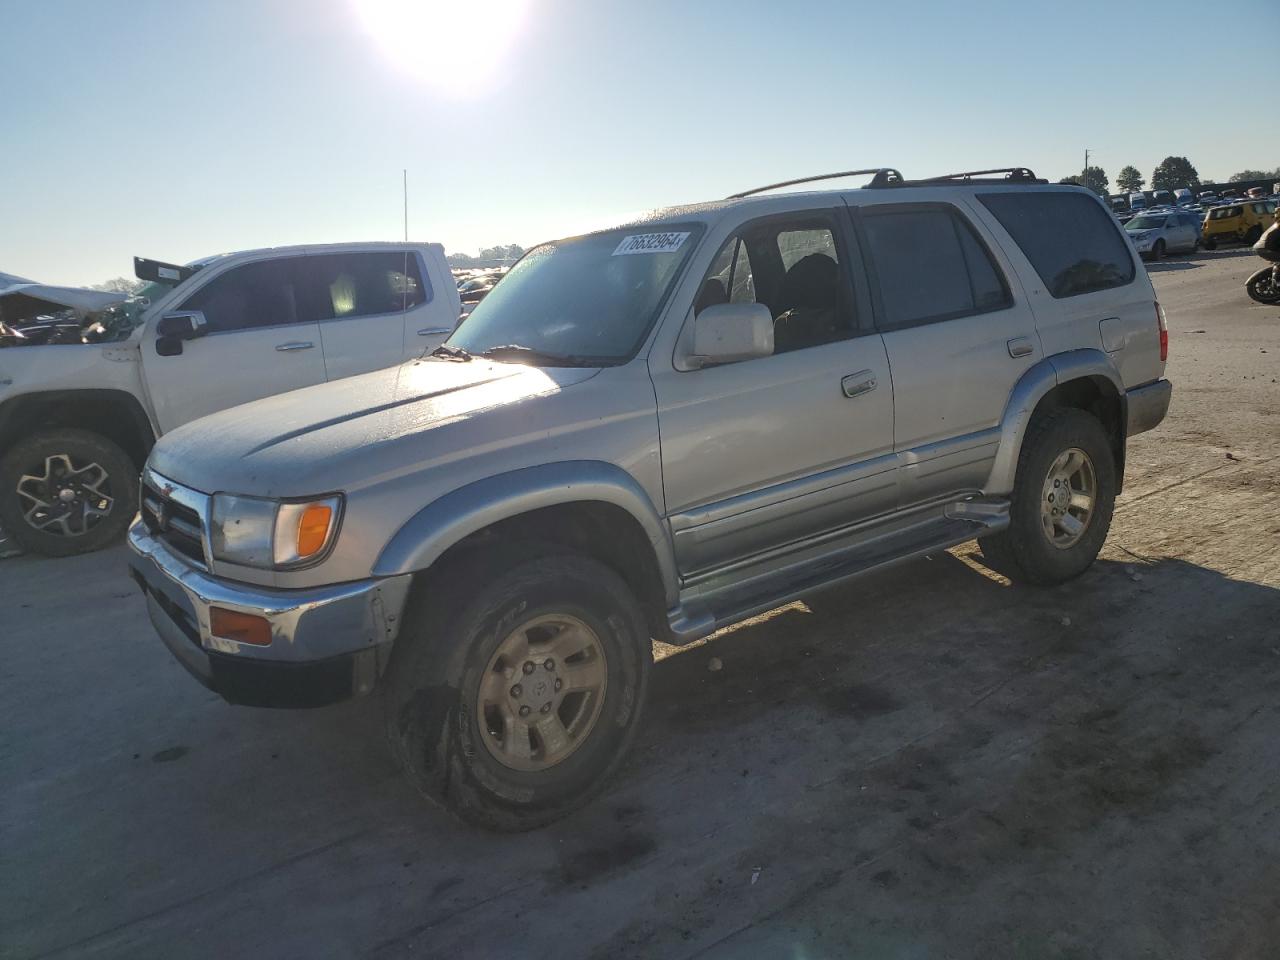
point(650, 243)
point(168, 273)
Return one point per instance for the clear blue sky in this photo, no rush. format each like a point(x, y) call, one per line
point(175, 128)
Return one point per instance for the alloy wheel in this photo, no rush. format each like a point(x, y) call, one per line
point(541, 694)
point(65, 498)
point(1067, 501)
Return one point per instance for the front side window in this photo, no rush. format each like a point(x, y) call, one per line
point(1073, 244)
point(586, 301)
point(1145, 223)
point(793, 266)
point(345, 285)
point(261, 294)
point(930, 266)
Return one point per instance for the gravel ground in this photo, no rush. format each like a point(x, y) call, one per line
point(930, 763)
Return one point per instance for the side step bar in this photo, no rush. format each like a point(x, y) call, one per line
point(711, 605)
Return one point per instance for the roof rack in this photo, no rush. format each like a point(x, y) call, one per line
point(1011, 175)
point(881, 177)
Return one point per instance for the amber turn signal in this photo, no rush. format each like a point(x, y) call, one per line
point(241, 627)
point(313, 529)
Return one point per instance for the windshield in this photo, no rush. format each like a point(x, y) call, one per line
point(585, 301)
point(1144, 223)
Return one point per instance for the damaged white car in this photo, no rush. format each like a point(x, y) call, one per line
point(89, 379)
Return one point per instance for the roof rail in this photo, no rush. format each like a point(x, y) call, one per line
point(1011, 175)
point(881, 177)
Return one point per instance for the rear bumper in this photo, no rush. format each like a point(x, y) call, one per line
point(327, 644)
point(1147, 406)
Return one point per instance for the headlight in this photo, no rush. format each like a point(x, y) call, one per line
point(255, 532)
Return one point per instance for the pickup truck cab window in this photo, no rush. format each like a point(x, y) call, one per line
point(344, 285)
point(586, 301)
point(260, 294)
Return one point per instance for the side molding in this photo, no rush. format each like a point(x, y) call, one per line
point(446, 521)
point(1028, 392)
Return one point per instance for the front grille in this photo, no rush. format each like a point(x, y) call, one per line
point(176, 525)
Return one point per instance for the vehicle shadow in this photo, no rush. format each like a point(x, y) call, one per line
point(1165, 266)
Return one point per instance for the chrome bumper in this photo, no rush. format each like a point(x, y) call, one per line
point(334, 637)
point(1147, 406)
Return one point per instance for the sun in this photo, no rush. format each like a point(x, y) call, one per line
point(450, 44)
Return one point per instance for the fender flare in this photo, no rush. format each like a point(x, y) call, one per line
point(439, 525)
point(1027, 393)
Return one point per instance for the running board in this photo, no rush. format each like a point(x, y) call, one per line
point(728, 597)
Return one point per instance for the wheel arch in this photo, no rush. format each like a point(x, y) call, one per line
point(114, 414)
point(590, 506)
point(1085, 379)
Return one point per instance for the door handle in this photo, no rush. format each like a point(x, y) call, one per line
point(856, 384)
point(295, 345)
point(1020, 347)
point(433, 331)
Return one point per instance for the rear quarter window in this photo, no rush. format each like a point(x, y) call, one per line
point(1072, 242)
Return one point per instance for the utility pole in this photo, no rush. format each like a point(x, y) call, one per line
point(1084, 177)
point(405, 173)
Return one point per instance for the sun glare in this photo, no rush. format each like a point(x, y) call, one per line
point(450, 44)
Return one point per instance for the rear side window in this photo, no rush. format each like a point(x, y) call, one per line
point(262, 294)
point(344, 285)
point(930, 266)
point(1073, 244)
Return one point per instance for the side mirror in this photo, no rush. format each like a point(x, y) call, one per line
point(729, 332)
point(182, 325)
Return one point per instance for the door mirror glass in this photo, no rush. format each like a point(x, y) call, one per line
point(182, 325)
point(729, 332)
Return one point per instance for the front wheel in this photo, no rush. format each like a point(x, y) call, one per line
point(1264, 286)
point(1211, 244)
point(64, 492)
point(514, 710)
point(1062, 502)
point(1157, 250)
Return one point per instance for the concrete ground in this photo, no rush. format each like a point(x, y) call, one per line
point(930, 763)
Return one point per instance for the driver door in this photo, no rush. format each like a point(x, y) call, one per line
point(259, 343)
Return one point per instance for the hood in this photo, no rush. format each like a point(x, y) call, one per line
point(356, 432)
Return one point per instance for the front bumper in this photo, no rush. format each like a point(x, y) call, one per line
point(327, 643)
point(1147, 406)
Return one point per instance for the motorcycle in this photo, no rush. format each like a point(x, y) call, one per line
point(1264, 286)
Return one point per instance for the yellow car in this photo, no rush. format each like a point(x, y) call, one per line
point(1241, 222)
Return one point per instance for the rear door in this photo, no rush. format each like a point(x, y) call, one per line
point(370, 306)
point(958, 336)
point(260, 342)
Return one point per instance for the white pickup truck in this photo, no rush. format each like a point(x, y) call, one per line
point(80, 411)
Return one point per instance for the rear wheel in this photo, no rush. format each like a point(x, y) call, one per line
point(514, 710)
point(1252, 234)
point(64, 492)
point(1062, 501)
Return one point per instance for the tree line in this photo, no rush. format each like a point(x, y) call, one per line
point(510, 251)
point(1170, 174)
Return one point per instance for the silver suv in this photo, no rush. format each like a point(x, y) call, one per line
point(655, 431)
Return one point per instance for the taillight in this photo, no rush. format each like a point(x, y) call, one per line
point(1164, 332)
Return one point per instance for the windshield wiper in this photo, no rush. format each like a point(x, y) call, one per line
point(450, 352)
point(514, 351)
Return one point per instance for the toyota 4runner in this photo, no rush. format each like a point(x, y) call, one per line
point(651, 432)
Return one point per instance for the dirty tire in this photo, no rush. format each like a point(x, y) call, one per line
point(29, 456)
point(1263, 287)
point(432, 686)
point(1023, 552)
